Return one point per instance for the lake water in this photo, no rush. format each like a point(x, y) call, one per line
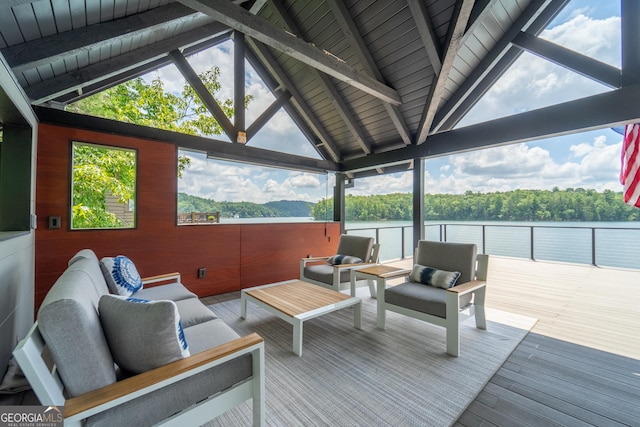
point(611, 244)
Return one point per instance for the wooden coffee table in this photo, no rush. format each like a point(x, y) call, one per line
point(295, 301)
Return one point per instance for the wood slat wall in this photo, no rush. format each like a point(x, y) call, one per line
point(236, 255)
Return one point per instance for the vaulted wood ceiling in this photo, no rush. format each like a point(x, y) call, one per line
point(372, 84)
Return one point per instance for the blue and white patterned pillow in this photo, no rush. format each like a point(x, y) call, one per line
point(343, 259)
point(142, 334)
point(121, 275)
point(434, 277)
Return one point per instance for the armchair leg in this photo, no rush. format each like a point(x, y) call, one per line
point(258, 387)
point(478, 301)
point(372, 288)
point(453, 324)
point(381, 317)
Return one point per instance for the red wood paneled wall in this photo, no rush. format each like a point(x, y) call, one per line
point(236, 255)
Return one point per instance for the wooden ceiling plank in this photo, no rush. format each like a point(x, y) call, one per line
point(263, 31)
point(48, 49)
point(334, 96)
point(49, 89)
point(356, 42)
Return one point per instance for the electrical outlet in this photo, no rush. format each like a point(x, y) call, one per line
point(202, 272)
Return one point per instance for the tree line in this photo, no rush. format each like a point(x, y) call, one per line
point(519, 205)
point(280, 209)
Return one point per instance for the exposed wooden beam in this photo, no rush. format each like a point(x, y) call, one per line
point(44, 51)
point(267, 114)
point(275, 87)
point(595, 70)
point(65, 83)
point(261, 30)
point(267, 59)
point(6, 4)
point(145, 68)
point(356, 42)
point(533, 19)
point(207, 98)
point(219, 149)
point(604, 110)
point(457, 27)
point(427, 33)
point(327, 86)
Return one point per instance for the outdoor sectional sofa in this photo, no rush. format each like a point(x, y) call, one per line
point(85, 329)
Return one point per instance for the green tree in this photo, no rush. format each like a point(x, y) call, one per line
point(98, 172)
point(148, 104)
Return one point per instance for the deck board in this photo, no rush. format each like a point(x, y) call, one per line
point(580, 364)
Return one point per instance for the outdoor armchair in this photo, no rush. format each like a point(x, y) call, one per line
point(334, 272)
point(426, 295)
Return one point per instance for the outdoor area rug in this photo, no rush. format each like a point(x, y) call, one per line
point(348, 377)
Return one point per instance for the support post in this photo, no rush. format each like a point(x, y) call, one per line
point(238, 82)
point(418, 200)
point(338, 200)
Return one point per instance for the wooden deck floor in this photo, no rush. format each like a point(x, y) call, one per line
point(580, 364)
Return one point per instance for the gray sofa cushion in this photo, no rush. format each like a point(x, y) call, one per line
point(193, 312)
point(172, 291)
point(357, 246)
point(418, 297)
point(207, 335)
point(142, 334)
point(324, 273)
point(69, 323)
point(449, 256)
point(91, 268)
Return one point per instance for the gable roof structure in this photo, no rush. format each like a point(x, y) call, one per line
point(372, 84)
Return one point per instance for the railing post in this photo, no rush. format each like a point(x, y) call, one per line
point(532, 245)
point(593, 246)
point(484, 250)
point(402, 254)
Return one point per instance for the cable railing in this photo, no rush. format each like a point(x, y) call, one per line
point(594, 245)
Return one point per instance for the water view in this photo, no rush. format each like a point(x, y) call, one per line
point(611, 244)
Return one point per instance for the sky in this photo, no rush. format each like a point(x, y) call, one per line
point(588, 160)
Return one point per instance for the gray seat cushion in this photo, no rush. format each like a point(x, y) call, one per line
point(324, 273)
point(207, 335)
point(357, 246)
point(171, 291)
point(422, 298)
point(193, 312)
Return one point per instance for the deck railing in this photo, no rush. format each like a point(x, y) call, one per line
point(598, 246)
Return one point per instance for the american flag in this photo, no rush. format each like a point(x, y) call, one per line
point(630, 170)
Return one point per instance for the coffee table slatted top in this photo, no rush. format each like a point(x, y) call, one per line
point(298, 297)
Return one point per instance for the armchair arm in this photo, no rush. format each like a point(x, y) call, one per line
point(161, 278)
point(106, 397)
point(467, 287)
point(359, 265)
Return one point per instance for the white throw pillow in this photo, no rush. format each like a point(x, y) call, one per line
point(142, 334)
point(121, 275)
